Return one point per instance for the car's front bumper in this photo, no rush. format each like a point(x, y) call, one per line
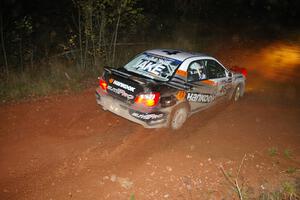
point(157, 119)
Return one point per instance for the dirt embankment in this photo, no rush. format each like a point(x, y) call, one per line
point(65, 147)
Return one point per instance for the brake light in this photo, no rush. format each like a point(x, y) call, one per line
point(103, 84)
point(244, 72)
point(149, 99)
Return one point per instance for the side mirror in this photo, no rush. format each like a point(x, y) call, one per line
point(229, 74)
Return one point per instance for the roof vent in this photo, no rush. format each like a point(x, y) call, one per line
point(171, 52)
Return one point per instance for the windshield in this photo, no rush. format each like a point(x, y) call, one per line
point(153, 66)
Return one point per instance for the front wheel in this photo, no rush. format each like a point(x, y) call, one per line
point(178, 117)
point(237, 93)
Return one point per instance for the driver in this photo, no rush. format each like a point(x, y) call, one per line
point(199, 70)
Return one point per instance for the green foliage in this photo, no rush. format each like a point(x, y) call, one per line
point(271, 196)
point(93, 30)
point(289, 190)
point(291, 170)
point(24, 26)
point(132, 197)
point(287, 153)
point(273, 151)
point(100, 25)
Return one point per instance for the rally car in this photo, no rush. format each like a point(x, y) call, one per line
point(163, 87)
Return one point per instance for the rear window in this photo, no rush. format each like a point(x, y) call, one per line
point(153, 66)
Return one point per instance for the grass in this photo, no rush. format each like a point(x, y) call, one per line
point(132, 197)
point(57, 75)
point(289, 190)
point(291, 170)
point(288, 153)
point(54, 78)
point(273, 151)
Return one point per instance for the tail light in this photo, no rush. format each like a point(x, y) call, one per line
point(244, 72)
point(148, 99)
point(103, 84)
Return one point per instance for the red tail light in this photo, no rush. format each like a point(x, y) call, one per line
point(103, 84)
point(149, 99)
point(244, 72)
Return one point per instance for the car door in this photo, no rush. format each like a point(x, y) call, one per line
point(221, 78)
point(200, 95)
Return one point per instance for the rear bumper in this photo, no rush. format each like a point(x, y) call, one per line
point(157, 119)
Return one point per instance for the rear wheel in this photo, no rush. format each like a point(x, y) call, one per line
point(178, 117)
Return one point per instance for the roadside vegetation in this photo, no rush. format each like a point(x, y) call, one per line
point(38, 59)
point(59, 46)
point(288, 189)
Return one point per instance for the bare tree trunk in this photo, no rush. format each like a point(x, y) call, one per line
point(110, 47)
point(93, 38)
point(101, 27)
point(21, 55)
point(31, 59)
point(85, 51)
point(115, 38)
point(104, 40)
point(80, 37)
point(99, 18)
point(3, 48)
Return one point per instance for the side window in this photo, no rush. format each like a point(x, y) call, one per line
point(215, 70)
point(196, 71)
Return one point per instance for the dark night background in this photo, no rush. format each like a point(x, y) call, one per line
point(36, 34)
point(164, 16)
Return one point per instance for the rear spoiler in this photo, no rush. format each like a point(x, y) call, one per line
point(117, 72)
point(123, 74)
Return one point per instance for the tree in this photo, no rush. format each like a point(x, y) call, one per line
point(99, 25)
point(3, 46)
point(23, 32)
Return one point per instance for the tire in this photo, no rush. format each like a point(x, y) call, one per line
point(237, 93)
point(178, 116)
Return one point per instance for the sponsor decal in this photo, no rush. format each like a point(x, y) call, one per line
point(226, 81)
point(122, 85)
point(147, 116)
point(224, 88)
point(152, 67)
point(157, 65)
point(202, 98)
point(180, 95)
point(121, 92)
point(181, 73)
point(210, 82)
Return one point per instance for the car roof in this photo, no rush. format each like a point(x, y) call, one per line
point(176, 54)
